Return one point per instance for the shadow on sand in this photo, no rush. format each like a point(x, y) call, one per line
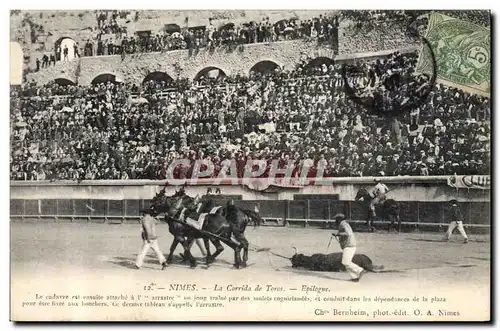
point(151, 259)
point(320, 274)
point(427, 240)
point(478, 258)
point(459, 241)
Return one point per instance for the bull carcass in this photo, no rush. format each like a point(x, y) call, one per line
point(330, 262)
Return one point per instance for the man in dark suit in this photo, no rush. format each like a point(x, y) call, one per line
point(456, 222)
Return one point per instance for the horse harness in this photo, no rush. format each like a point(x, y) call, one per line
point(195, 218)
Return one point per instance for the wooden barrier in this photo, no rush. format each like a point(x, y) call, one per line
point(110, 202)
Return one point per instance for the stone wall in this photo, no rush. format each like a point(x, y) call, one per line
point(403, 190)
point(135, 67)
point(48, 26)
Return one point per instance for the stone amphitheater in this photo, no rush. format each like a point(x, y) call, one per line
point(38, 33)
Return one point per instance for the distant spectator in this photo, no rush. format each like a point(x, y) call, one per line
point(65, 52)
point(75, 50)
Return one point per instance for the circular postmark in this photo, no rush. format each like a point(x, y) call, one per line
point(392, 86)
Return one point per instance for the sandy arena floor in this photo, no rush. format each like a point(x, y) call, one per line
point(96, 258)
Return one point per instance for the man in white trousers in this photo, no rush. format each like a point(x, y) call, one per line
point(348, 245)
point(149, 238)
point(201, 245)
point(456, 222)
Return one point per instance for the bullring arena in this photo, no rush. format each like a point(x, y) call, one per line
point(95, 254)
point(104, 254)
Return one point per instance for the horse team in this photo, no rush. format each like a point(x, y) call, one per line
point(190, 219)
point(183, 213)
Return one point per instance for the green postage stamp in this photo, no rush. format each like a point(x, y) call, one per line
point(462, 53)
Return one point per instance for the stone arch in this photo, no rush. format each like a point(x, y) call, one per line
point(106, 77)
point(265, 66)
point(16, 63)
point(62, 43)
point(63, 81)
point(158, 76)
point(210, 71)
point(318, 61)
point(171, 28)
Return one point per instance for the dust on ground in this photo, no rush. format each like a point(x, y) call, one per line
point(66, 257)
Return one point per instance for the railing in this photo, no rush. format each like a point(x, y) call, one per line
point(236, 181)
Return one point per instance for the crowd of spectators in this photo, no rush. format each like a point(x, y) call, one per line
point(107, 22)
point(323, 29)
point(302, 116)
point(112, 38)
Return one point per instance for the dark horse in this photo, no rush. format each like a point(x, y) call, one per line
point(215, 228)
point(239, 218)
point(389, 209)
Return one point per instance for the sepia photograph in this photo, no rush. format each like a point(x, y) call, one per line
point(250, 165)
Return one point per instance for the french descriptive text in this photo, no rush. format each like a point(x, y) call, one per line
point(321, 300)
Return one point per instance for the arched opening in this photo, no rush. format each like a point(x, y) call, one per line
point(159, 77)
point(320, 66)
point(264, 67)
point(104, 78)
point(157, 81)
point(209, 74)
point(63, 82)
point(65, 49)
point(16, 64)
point(319, 61)
point(171, 28)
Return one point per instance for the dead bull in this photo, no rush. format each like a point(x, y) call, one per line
point(330, 262)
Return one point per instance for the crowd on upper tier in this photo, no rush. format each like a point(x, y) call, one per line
point(302, 116)
point(111, 38)
point(364, 31)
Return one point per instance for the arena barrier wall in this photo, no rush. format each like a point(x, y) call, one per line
point(423, 200)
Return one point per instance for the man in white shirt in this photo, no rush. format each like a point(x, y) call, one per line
point(348, 245)
point(149, 238)
point(378, 194)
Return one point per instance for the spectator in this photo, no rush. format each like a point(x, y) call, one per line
point(65, 52)
point(45, 61)
point(75, 50)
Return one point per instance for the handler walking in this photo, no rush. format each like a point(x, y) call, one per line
point(456, 222)
point(348, 245)
point(149, 238)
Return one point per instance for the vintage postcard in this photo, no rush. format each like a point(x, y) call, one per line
point(250, 165)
